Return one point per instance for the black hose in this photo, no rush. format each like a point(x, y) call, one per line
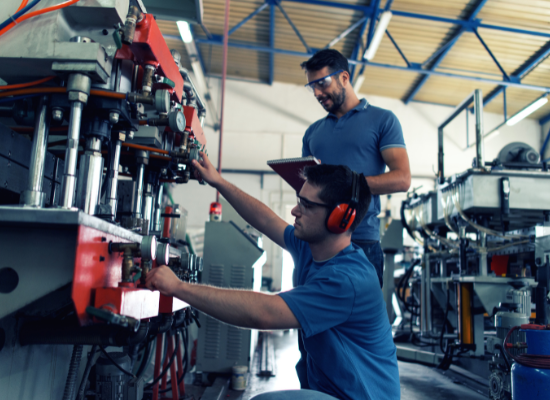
point(73, 372)
point(448, 306)
point(184, 339)
point(82, 387)
point(158, 378)
point(404, 221)
point(498, 346)
point(144, 360)
point(115, 363)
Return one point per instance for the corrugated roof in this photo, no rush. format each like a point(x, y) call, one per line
point(418, 39)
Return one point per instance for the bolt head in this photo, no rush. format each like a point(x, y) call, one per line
point(57, 115)
point(114, 117)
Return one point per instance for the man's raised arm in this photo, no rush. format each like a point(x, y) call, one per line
point(253, 211)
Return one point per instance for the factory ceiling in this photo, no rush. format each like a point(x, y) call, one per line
point(433, 51)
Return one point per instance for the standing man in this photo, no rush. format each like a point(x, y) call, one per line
point(348, 350)
point(361, 136)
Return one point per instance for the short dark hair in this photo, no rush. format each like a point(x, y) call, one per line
point(330, 58)
point(335, 182)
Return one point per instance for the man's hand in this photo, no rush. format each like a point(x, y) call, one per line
point(164, 280)
point(206, 170)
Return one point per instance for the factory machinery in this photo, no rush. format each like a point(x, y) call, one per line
point(96, 116)
point(482, 282)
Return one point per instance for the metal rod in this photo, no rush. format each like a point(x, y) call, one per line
point(71, 155)
point(345, 33)
point(90, 174)
point(398, 49)
point(34, 196)
point(245, 20)
point(482, 256)
point(478, 109)
point(224, 77)
point(158, 209)
point(271, 43)
point(112, 181)
point(138, 193)
point(504, 106)
point(504, 74)
point(148, 204)
point(440, 156)
point(294, 28)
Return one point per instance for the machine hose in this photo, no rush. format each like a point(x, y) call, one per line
point(73, 372)
point(404, 221)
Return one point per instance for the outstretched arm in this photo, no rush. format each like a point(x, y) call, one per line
point(253, 211)
point(242, 308)
point(398, 178)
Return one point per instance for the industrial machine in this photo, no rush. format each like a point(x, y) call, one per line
point(96, 116)
point(484, 235)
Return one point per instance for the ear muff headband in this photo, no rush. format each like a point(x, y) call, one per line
point(342, 215)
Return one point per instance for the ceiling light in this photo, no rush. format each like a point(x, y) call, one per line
point(531, 108)
point(383, 23)
point(185, 31)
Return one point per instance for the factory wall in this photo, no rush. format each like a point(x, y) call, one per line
point(265, 122)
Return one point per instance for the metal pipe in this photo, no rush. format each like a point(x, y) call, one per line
point(224, 76)
point(483, 255)
point(478, 109)
point(440, 157)
point(34, 196)
point(148, 204)
point(138, 193)
point(112, 182)
point(158, 209)
point(423, 302)
point(71, 154)
point(89, 176)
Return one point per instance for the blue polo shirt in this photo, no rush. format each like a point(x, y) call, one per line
point(346, 340)
point(356, 140)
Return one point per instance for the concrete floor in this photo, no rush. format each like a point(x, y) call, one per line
point(418, 382)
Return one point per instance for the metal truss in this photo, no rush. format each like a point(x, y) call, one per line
point(428, 68)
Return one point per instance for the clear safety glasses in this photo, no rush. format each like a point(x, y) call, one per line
point(306, 204)
point(321, 83)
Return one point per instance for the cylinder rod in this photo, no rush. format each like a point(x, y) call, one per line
point(112, 180)
point(90, 176)
point(138, 193)
point(71, 155)
point(34, 196)
point(478, 109)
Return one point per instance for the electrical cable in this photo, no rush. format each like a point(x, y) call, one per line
point(35, 13)
point(50, 90)
point(82, 387)
point(23, 4)
point(20, 12)
point(527, 360)
point(26, 85)
point(115, 363)
point(443, 328)
point(158, 378)
point(147, 351)
point(184, 362)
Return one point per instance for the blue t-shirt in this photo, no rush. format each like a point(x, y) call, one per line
point(356, 140)
point(347, 346)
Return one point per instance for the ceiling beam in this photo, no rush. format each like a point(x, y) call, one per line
point(448, 45)
point(217, 40)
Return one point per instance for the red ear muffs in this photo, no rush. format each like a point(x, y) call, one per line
point(340, 218)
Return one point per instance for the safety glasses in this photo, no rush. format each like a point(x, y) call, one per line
point(322, 83)
point(306, 204)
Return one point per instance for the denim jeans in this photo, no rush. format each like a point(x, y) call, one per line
point(302, 394)
point(374, 253)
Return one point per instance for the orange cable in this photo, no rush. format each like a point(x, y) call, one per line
point(22, 5)
point(48, 90)
point(28, 84)
point(140, 147)
point(38, 12)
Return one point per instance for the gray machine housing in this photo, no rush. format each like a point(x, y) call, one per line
point(232, 259)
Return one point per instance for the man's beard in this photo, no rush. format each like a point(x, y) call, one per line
point(338, 99)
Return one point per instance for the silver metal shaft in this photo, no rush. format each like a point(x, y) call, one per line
point(138, 192)
point(90, 176)
point(480, 148)
point(112, 180)
point(34, 196)
point(158, 209)
point(71, 155)
point(148, 204)
point(483, 255)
